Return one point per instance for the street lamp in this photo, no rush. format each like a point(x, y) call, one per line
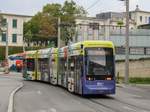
point(127, 43)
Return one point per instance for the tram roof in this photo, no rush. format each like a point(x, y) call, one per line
point(44, 53)
point(93, 43)
point(30, 54)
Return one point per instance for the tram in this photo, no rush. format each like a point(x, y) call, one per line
point(84, 68)
point(43, 72)
point(29, 65)
point(88, 67)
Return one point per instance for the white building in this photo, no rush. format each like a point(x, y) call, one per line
point(15, 29)
point(140, 17)
point(106, 24)
point(95, 28)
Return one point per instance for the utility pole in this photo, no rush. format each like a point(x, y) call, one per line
point(6, 53)
point(58, 39)
point(6, 50)
point(127, 43)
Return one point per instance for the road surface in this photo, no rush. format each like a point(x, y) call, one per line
point(7, 84)
point(43, 97)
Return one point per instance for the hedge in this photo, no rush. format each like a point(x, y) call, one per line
point(14, 50)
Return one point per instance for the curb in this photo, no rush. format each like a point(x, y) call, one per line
point(11, 98)
point(121, 85)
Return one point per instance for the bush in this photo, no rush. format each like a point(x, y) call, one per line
point(139, 80)
point(12, 50)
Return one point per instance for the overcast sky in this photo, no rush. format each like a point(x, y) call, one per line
point(31, 7)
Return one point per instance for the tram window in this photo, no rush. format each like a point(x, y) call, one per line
point(100, 61)
point(43, 64)
point(65, 64)
point(72, 64)
point(30, 64)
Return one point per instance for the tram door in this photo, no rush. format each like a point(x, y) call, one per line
point(63, 72)
point(71, 73)
point(44, 69)
point(77, 75)
point(74, 75)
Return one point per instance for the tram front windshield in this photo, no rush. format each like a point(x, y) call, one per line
point(99, 62)
point(30, 64)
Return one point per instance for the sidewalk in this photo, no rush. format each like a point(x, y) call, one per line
point(134, 85)
point(7, 85)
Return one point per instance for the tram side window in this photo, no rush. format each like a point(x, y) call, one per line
point(30, 64)
point(43, 64)
point(79, 66)
point(72, 66)
point(62, 66)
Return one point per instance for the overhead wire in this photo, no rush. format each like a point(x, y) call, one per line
point(91, 6)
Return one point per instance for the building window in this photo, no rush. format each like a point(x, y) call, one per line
point(14, 23)
point(4, 22)
point(130, 16)
point(145, 19)
point(140, 18)
point(3, 37)
point(14, 38)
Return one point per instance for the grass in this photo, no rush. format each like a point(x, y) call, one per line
point(139, 80)
point(135, 80)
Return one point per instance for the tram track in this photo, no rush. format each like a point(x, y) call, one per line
point(106, 106)
point(129, 106)
point(133, 105)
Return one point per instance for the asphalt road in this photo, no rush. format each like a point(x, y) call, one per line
point(42, 97)
point(7, 84)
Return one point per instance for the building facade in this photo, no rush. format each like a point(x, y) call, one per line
point(13, 29)
point(140, 17)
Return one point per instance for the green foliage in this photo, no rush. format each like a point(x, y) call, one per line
point(139, 80)
point(43, 26)
point(12, 50)
point(120, 23)
point(134, 80)
point(1, 20)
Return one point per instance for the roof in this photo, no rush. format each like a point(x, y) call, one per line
point(30, 54)
point(93, 43)
point(89, 18)
point(19, 15)
point(141, 11)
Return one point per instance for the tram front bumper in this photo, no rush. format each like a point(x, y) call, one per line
point(103, 88)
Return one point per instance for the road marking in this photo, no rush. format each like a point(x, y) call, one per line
point(144, 111)
point(138, 96)
point(11, 98)
point(53, 110)
point(39, 92)
point(128, 108)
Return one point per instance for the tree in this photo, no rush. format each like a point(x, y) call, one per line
point(43, 26)
point(1, 24)
point(120, 24)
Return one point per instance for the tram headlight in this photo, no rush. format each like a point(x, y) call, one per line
point(89, 78)
point(108, 78)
